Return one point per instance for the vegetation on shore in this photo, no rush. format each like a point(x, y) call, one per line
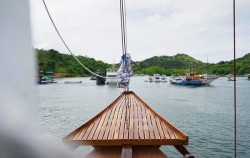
point(66, 66)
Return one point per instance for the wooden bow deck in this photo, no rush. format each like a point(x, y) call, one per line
point(128, 120)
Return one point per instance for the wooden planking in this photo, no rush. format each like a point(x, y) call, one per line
point(160, 129)
point(122, 125)
point(141, 129)
point(114, 122)
point(100, 126)
point(154, 126)
point(150, 126)
point(109, 123)
point(142, 116)
point(118, 125)
point(135, 119)
point(142, 124)
point(126, 124)
point(92, 132)
point(105, 124)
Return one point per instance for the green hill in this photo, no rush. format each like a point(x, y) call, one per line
point(177, 64)
point(66, 65)
point(226, 67)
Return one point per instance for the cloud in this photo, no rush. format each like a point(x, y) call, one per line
point(195, 27)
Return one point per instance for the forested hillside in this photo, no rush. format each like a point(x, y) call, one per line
point(226, 67)
point(66, 65)
point(177, 64)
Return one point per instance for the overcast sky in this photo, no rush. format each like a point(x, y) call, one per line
point(154, 27)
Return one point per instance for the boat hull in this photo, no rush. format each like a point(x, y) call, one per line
point(187, 83)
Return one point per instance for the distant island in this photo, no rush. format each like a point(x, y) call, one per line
point(65, 65)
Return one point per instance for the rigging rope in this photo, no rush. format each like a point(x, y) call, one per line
point(235, 127)
point(47, 10)
point(125, 70)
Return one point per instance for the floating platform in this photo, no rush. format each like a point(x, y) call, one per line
point(128, 121)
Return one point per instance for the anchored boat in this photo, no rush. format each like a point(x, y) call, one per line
point(192, 79)
point(231, 77)
point(46, 77)
point(111, 76)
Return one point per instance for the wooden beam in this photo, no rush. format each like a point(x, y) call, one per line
point(184, 151)
point(126, 151)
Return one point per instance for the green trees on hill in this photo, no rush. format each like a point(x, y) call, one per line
point(226, 67)
point(177, 64)
point(66, 64)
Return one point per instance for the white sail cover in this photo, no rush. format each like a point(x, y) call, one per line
point(125, 71)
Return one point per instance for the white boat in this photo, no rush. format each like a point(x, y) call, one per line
point(157, 78)
point(163, 78)
point(231, 77)
point(208, 78)
point(248, 76)
point(111, 76)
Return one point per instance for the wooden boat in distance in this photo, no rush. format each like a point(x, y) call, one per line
point(131, 125)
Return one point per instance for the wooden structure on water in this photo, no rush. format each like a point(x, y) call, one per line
point(128, 127)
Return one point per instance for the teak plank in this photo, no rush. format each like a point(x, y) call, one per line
point(141, 129)
point(105, 123)
point(165, 131)
point(99, 127)
point(145, 124)
point(155, 128)
point(150, 126)
point(109, 122)
point(131, 118)
point(126, 127)
point(88, 131)
point(122, 125)
point(114, 121)
point(160, 129)
point(135, 118)
point(118, 125)
point(92, 132)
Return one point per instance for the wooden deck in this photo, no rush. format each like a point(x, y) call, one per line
point(127, 121)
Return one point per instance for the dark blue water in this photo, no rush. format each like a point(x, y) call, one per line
point(205, 114)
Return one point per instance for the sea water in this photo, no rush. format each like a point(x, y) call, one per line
point(205, 114)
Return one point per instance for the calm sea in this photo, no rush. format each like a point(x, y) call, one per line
point(205, 114)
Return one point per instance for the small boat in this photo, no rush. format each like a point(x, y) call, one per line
point(248, 76)
point(157, 78)
point(46, 77)
point(72, 82)
point(163, 78)
point(93, 78)
point(111, 76)
point(185, 81)
point(192, 79)
point(231, 77)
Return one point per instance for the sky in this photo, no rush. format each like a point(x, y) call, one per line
point(201, 29)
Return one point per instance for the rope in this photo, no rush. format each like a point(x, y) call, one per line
point(125, 70)
point(123, 26)
point(47, 10)
point(235, 127)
